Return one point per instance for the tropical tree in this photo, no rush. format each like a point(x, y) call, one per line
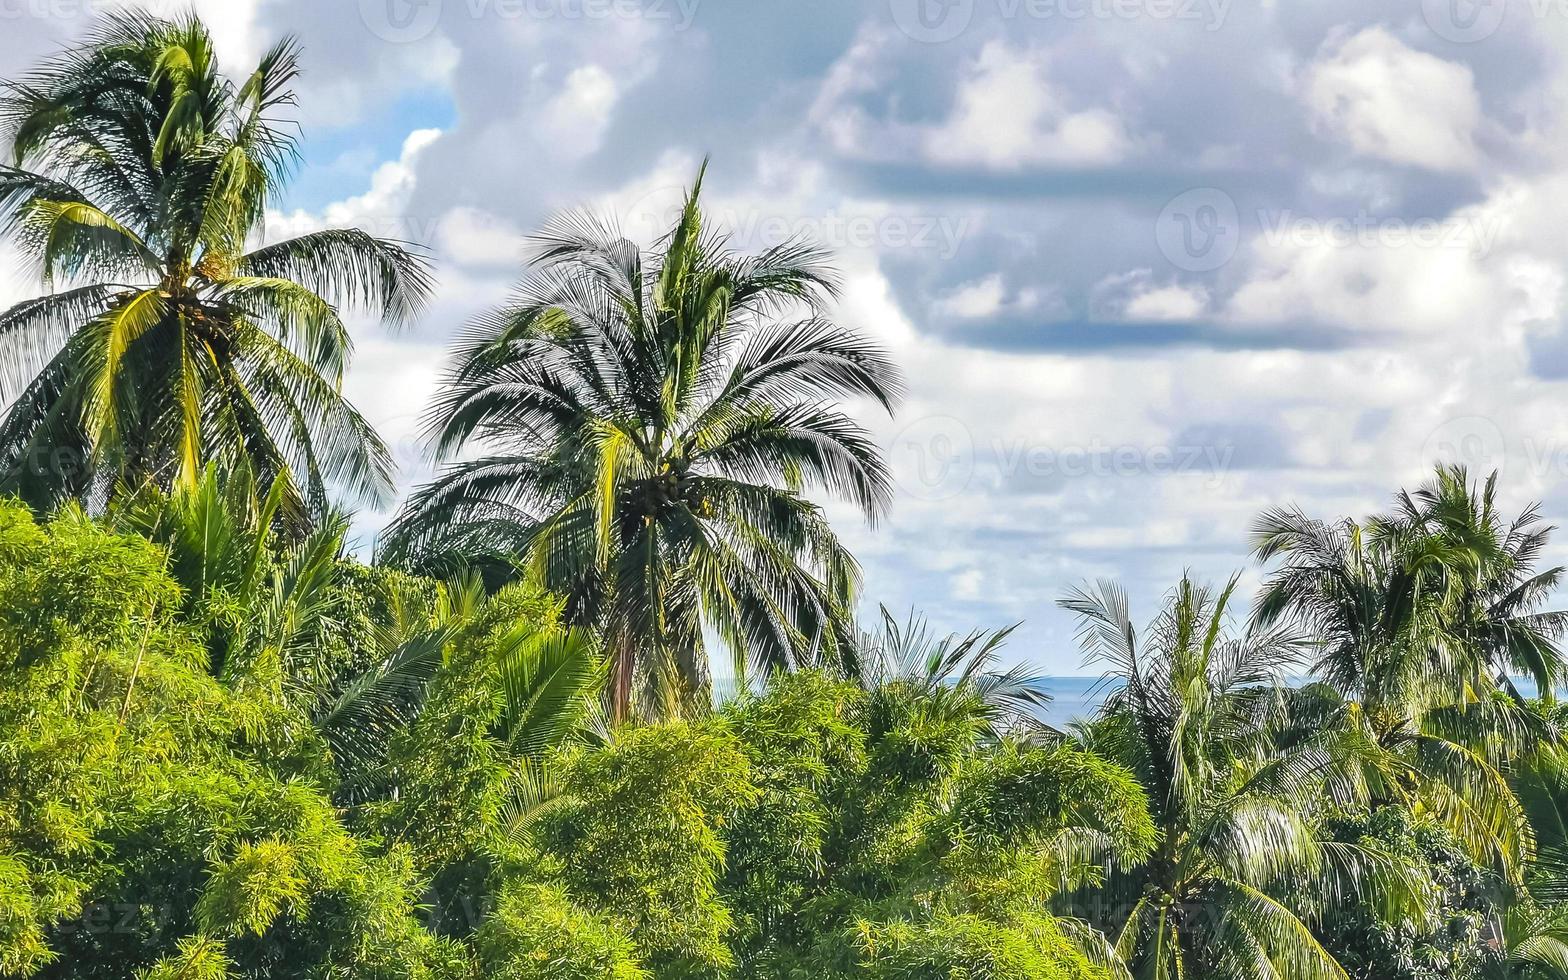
point(1495, 588)
point(153, 822)
point(962, 673)
point(1412, 616)
point(1532, 944)
point(166, 341)
point(653, 422)
point(279, 618)
point(1201, 718)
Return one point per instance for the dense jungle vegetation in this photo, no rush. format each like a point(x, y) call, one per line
point(229, 748)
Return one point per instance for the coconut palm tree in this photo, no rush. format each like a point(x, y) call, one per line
point(265, 605)
point(1411, 616)
point(652, 423)
point(1202, 719)
point(1496, 588)
point(1531, 944)
point(142, 176)
point(961, 674)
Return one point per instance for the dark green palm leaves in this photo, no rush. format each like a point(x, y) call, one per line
point(1195, 712)
point(1420, 619)
point(651, 423)
point(141, 177)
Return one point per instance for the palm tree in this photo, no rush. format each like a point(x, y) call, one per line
point(1496, 588)
point(958, 674)
point(1531, 944)
point(141, 180)
point(266, 605)
point(653, 422)
point(1201, 718)
point(1411, 616)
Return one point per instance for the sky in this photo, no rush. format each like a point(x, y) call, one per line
point(1149, 266)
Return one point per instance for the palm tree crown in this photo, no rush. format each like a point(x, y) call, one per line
point(653, 421)
point(1201, 717)
point(1418, 619)
point(141, 178)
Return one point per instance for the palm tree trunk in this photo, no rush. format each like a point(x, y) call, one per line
point(624, 655)
point(697, 684)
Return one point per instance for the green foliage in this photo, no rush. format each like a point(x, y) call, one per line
point(804, 743)
point(453, 767)
point(536, 933)
point(166, 819)
point(150, 819)
point(1446, 939)
point(641, 838)
point(970, 947)
point(887, 820)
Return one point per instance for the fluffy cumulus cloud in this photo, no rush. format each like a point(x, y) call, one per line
point(1389, 101)
point(1007, 114)
point(1147, 273)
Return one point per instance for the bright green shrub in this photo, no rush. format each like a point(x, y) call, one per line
point(804, 741)
point(641, 837)
point(536, 933)
point(969, 948)
point(451, 766)
point(150, 820)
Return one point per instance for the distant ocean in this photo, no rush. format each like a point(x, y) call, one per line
point(1072, 698)
point(1077, 698)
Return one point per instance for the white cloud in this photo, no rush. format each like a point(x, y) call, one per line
point(1008, 115)
point(474, 237)
point(1389, 101)
point(234, 34)
point(1389, 284)
point(381, 210)
point(574, 121)
point(989, 296)
point(1136, 295)
point(973, 300)
point(1173, 302)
